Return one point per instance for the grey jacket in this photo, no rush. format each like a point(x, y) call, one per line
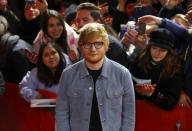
point(115, 96)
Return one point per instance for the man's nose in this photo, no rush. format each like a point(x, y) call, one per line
point(93, 47)
point(80, 24)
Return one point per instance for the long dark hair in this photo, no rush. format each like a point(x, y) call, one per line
point(169, 66)
point(44, 74)
point(62, 41)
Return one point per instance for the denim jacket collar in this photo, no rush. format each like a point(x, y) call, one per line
point(105, 69)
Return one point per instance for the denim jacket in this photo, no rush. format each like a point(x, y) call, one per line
point(115, 96)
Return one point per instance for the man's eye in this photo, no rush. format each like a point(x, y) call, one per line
point(51, 25)
point(85, 20)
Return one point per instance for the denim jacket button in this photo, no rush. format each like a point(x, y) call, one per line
point(115, 93)
point(75, 94)
point(90, 88)
point(101, 104)
point(99, 89)
point(103, 120)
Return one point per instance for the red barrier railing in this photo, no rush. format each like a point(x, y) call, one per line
point(16, 115)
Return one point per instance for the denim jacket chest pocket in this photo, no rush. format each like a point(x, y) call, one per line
point(115, 97)
point(75, 96)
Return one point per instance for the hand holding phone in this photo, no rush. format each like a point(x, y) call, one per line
point(141, 27)
point(145, 89)
point(32, 57)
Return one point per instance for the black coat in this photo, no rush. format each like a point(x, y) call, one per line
point(117, 53)
point(13, 60)
point(184, 39)
point(167, 91)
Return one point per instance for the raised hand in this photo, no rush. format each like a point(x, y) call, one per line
point(145, 89)
point(184, 100)
point(121, 5)
point(189, 16)
point(172, 3)
point(42, 5)
point(104, 8)
point(32, 57)
point(150, 19)
point(73, 57)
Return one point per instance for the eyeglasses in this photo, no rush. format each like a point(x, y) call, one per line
point(30, 5)
point(97, 45)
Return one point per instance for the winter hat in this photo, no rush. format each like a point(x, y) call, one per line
point(162, 38)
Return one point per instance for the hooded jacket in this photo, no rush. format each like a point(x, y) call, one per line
point(13, 61)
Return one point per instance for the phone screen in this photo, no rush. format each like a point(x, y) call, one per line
point(30, 1)
point(141, 28)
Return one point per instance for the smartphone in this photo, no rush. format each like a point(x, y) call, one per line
point(28, 52)
point(141, 28)
point(141, 11)
point(30, 1)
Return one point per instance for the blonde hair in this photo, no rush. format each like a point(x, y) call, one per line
point(3, 25)
point(182, 17)
point(91, 31)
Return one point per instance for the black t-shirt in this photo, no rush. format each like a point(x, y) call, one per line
point(95, 122)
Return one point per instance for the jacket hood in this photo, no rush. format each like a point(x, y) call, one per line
point(9, 39)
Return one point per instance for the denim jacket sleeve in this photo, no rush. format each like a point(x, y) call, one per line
point(128, 121)
point(62, 106)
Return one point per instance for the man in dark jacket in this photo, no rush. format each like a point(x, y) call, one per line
point(13, 61)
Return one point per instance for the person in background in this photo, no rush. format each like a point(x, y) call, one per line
point(31, 19)
point(70, 15)
point(185, 37)
point(159, 64)
point(13, 60)
point(171, 8)
point(96, 92)
point(63, 6)
point(50, 64)
point(2, 84)
point(14, 21)
point(53, 28)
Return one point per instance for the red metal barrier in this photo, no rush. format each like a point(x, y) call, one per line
point(16, 115)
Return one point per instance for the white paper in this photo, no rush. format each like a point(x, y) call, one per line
point(43, 103)
point(141, 81)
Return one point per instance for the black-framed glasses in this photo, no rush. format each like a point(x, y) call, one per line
point(29, 5)
point(89, 45)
